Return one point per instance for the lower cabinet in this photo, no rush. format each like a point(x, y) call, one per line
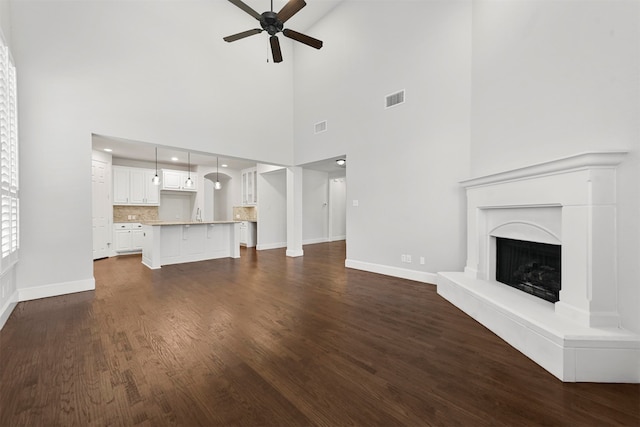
point(128, 237)
point(243, 233)
point(248, 234)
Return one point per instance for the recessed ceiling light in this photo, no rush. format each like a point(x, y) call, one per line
point(175, 159)
point(108, 150)
point(224, 165)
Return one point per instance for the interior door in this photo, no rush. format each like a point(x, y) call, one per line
point(338, 209)
point(101, 202)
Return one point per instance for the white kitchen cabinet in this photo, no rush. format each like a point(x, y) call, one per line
point(143, 191)
point(120, 185)
point(133, 186)
point(243, 233)
point(174, 180)
point(249, 186)
point(137, 238)
point(248, 234)
point(128, 237)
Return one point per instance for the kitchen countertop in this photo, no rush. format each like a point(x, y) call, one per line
point(158, 222)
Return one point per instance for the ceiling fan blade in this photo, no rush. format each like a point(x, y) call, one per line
point(302, 38)
point(275, 49)
point(290, 9)
point(242, 35)
point(246, 8)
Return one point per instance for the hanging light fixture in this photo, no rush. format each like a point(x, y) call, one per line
point(218, 184)
point(156, 179)
point(189, 183)
point(341, 162)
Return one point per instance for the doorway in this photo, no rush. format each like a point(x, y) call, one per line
point(337, 209)
point(217, 203)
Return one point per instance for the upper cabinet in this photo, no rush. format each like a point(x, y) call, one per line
point(175, 180)
point(133, 186)
point(249, 186)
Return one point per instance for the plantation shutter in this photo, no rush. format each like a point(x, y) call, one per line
point(9, 200)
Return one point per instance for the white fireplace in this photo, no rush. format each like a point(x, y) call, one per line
point(569, 202)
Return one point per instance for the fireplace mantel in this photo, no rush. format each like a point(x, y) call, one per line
point(571, 200)
point(593, 160)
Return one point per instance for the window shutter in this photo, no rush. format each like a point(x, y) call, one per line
point(9, 186)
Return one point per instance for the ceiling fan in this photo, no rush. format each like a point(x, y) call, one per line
point(273, 23)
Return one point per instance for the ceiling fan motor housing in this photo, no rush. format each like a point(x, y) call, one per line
point(270, 23)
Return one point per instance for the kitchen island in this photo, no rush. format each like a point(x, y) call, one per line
point(175, 242)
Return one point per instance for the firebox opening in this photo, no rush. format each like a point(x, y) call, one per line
point(529, 266)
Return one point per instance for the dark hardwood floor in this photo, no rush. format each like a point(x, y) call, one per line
point(267, 340)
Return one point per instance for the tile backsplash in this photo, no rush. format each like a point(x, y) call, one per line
point(135, 213)
point(245, 213)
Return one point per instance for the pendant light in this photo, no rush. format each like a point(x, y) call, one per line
point(156, 179)
point(218, 184)
point(189, 183)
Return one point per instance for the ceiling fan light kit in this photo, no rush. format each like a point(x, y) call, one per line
point(273, 23)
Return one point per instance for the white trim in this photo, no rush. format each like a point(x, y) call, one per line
point(315, 241)
point(336, 238)
point(7, 309)
point(56, 289)
point(563, 165)
point(267, 246)
point(403, 273)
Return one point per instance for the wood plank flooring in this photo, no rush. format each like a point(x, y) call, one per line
point(267, 340)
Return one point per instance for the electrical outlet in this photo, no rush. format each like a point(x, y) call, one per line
point(421, 260)
point(355, 203)
point(403, 258)
point(409, 258)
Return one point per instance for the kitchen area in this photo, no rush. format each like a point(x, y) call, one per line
point(173, 207)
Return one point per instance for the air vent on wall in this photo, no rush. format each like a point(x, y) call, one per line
point(321, 126)
point(394, 99)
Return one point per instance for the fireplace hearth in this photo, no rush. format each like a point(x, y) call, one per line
point(568, 208)
point(532, 267)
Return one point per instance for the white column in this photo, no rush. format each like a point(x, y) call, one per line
point(294, 212)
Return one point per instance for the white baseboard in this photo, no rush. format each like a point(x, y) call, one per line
point(264, 247)
point(315, 241)
point(7, 309)
point(336, 238)
point(56, 289)
point(403, 273)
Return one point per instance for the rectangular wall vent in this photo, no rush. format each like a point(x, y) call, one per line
point(321, 127)
point(394, 99)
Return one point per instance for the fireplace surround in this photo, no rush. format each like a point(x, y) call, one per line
point(569, 202)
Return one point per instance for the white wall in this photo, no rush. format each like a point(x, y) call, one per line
point(156, 72)
point(315, 206)
point(403, 163)
point(557, 78)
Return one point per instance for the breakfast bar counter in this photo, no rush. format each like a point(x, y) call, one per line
point(175, 242)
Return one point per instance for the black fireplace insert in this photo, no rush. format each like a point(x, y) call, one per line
point(531, 267)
